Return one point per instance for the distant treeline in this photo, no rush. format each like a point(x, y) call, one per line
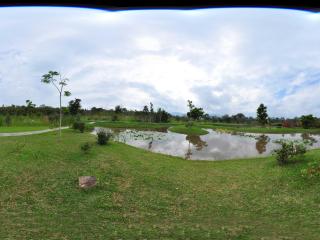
point(147, 114)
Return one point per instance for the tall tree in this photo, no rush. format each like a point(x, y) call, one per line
point(118, 109)
point(29, 106)
point(145, 112)
point(59, 83)
point(74, 106)
point(262, 114)
point(194, 112)
point(151, 111)
point(308, 121)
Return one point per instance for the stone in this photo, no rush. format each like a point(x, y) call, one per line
point(87, 181)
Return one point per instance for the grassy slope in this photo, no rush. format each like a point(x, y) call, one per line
point(188, 130)
point(22, 128)
point(142, 195)
point(251, 129)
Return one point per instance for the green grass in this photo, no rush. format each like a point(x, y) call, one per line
point(143, 195)
point(136, 125)
point(188, 130)
point(255, 129)
point(22, 129)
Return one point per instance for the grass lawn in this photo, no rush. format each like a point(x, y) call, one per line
point(253, 129)
point(22, 129)
point(136, 125)
point(188, 130)
point(143, 195)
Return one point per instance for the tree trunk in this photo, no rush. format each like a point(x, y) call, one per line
point(60, 117)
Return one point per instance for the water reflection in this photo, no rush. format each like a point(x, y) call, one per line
point(212, 146)
point(196, 141)
point(309, 138)
point(261, 144)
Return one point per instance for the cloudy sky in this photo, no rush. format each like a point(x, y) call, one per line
point(225, 60)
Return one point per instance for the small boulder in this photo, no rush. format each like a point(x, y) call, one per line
point(87, 181)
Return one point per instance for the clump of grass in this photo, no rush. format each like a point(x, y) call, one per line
point(85, 148)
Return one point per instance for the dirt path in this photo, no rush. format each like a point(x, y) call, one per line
point(30, 132)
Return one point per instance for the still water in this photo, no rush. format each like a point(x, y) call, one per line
point(212, 146)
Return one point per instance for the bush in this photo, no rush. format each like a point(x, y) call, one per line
point(86, 147)
point(103, 136)
point(313, 170)
point(79, 126)
point(114, 118)
point(289, 151)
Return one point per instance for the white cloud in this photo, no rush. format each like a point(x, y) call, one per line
point(226, 60)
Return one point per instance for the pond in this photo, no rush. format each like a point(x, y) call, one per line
point(213, 146)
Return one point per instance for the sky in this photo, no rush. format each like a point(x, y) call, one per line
point(226, 60)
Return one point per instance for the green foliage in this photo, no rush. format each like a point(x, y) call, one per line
point(8, 120)
point(85, 147)
point(118, 109)
point(308, 121)
point(262, 114)
point(67, 93)
point(103, 136)
point(79, 126)
point(74, 106)
point(161, 116)
point(290, 150)
point(194, 112)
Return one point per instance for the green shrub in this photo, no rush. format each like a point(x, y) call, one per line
point(75, 125)
point(79, 126)
point(114, 118)
point(86, 147)
point(103, 136)
point(313, 170)
point(290, 150)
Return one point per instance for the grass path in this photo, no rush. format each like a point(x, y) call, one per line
point(30, 132)
point(144, 195)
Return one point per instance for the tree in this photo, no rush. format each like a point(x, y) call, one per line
point(151, 111)
point(74, 106)
point(262, 114)
point(194, 112)
point(29, 105)
point(161, 116)
point(308, 121)
point(59, 83)
point(145, 112)
point(118, 109)
point(239, 118)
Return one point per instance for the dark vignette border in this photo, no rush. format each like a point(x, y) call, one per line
point(118, 5)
